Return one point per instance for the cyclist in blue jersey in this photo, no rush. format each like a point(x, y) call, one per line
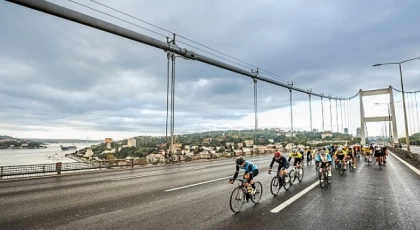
point(251, 171)
point(325, 160)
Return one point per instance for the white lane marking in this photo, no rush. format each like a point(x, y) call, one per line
point(294, 198)
point(407, 164)
point(156, 174)
point(191, 185)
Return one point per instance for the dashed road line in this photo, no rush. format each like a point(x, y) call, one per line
point(157, 174)
point(192, 185)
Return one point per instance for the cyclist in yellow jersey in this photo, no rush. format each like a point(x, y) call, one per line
point(366, 152)
point(298, 157)
point(350, 155)
point(340, 154)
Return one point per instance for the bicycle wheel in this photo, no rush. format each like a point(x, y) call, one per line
point(292, 176)
point(341, 169)
point(275, 185)
point(322, 180)
point(237, 199)
point(286, 182)
point(258, 193)
point(300, 175)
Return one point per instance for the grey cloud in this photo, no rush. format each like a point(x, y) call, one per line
point(58, 73)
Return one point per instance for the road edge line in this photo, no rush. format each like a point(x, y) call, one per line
point(406, 163)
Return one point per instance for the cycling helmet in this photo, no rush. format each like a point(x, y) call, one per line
point(240, 160)
point(322, 152)
point(340, 149)
point(277, 154)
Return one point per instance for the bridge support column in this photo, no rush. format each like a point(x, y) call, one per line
point(362, 120)
point(394, 120)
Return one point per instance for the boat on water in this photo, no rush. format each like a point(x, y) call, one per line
point(68, 147)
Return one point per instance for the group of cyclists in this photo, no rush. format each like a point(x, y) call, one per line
point(324, 156)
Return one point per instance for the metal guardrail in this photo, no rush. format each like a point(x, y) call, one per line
point(20, 171)
point(44, 169)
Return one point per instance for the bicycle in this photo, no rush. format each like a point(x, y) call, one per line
point(279, 181)
point(368, 159)
point(296, 173)
point(340, 167)
point(240, 194)
point(322, 177)
point(380, 162)
point(309, 159)
point(350, 164)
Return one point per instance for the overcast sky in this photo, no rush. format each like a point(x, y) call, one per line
point(60, 79)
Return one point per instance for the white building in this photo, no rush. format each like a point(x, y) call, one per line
point(249, 143)
point(88, 153)
point(290, 134)
point(324, 135)
point(131, 142)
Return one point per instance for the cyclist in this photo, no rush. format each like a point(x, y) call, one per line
point(350, 155)
point(316, 152)
point(251, 171)
point(385, 150)
point(302, 152)
point(298, 158)
point(366, 151)
point(325, 160)
point(308, 154)
point(340, 155)
point(283, 163)
point(379, 154)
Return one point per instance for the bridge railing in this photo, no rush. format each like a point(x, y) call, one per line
point(17, 171)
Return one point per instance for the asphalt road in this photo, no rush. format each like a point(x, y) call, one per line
point(196, 196)
point(413, 148)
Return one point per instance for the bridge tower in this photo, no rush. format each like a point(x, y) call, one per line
point(390, 117)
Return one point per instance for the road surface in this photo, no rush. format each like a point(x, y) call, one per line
point(196, 196)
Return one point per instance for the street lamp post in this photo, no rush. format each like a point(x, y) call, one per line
point(403, 96)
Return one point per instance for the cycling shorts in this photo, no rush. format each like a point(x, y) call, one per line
point(324, 164)
point(340, 157)
point(283, 168)
point(379, 154)
point(252, 174)
point(297, 160)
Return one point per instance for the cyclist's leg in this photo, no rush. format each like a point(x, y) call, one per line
point(340, 159)
point(321, 168)
point(252, 175)
point(329, 168)
point(354, 161)
point(279, 170)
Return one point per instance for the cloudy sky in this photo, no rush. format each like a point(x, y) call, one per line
point(59, 79)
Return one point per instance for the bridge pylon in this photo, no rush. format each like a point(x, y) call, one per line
point(390, 117)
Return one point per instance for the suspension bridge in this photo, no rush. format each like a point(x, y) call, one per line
point(174, 196)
